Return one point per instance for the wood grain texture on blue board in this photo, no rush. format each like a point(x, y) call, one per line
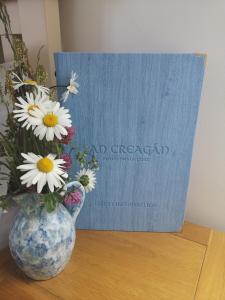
point(138, 113)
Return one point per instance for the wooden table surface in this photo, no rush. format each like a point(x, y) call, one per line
point(110, 265)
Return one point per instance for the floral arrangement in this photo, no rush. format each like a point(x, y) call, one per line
point(36, 130)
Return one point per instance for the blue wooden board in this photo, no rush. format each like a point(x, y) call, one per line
point(138, 113)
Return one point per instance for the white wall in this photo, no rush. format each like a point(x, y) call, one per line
point(38, 21)
point(13, 11)
point(168, 26)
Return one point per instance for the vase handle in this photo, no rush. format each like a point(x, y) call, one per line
point(75, 208)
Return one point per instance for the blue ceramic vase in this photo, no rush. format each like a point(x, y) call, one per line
point(41, 243)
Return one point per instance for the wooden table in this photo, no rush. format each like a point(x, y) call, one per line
point(130, 266)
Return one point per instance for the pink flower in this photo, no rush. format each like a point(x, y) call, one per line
point(68, 161)
point(66, 139)
point(73, 198)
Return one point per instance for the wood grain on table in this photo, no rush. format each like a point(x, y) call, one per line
point(109, 265)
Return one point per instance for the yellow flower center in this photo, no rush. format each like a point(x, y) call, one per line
point(32, 107)
point(30, 81)
point(45, 165)
point(50, 120)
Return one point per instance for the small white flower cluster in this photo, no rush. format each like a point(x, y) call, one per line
point(45, 117)
point(48, 120)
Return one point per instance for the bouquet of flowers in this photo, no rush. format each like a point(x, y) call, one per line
point(36, 130)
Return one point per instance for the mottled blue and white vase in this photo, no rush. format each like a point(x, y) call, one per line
point(41, 243)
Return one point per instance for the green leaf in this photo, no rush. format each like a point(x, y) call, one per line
point(50, 201)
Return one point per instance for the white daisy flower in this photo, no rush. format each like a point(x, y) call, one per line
point(42, 170)
point(72, 87)
point(87, 178)
point(51, 121)
point(23, 114)
point(18, 82)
